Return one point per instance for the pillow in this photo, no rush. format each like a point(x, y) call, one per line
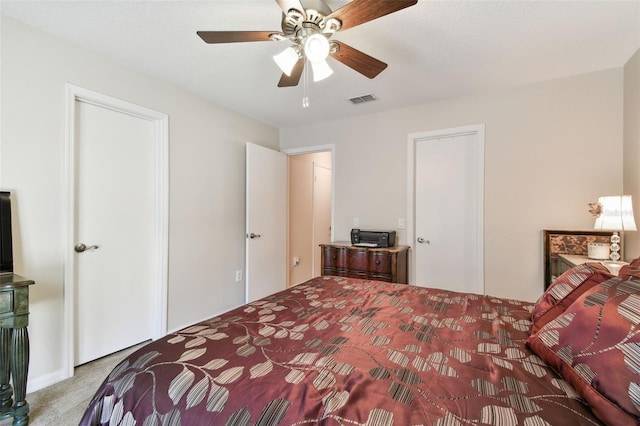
point(565, 290)
point(632, 269)
point(595, 346)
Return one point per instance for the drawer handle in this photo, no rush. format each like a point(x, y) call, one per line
point(377, 262)
point(335, 257)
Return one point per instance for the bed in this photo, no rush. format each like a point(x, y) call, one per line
point(344, 351)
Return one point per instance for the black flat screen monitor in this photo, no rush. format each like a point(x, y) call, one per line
point(6, 241)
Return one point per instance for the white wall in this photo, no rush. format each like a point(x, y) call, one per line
point(207, 148)
point(550, 148)
point(632, 148)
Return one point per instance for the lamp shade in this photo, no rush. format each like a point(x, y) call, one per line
point(617, 214)
point(321, 70)
point(286, 60)
point(316, 48)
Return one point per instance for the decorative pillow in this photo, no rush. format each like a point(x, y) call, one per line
point(595, 346)
point(565, 290)
point(632, 269)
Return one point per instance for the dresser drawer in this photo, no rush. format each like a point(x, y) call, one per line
point(380, 263)
point(357, 261)
point(335, 258)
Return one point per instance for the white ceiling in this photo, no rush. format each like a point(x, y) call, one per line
point(435, 49)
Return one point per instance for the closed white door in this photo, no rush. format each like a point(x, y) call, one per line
point(321, 213)
point(115, 218)
point(448, 210)
point(266, 219)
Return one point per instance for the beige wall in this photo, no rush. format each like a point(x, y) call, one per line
point(207, 151)
point(632, 148)
point(550, 148)
point(301, 213)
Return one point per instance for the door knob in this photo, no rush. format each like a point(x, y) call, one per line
point(422, 240)
point(80, 247)
point(252, 235)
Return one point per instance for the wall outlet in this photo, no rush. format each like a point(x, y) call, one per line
point(296, 261)
point(401, 223)
point(238, 276)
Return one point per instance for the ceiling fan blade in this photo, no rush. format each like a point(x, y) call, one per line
point(355, 59)
point(360, 11)
point(235, 36)
point(294, 78)
point(287, 5)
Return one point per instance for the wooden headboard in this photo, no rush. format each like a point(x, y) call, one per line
point(568, 242)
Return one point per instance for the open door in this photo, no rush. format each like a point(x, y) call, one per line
point(266, 244)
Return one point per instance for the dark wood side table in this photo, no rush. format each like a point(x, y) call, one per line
point(14, 347)
point(382, 264)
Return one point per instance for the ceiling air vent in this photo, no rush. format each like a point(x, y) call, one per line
point(362, 99)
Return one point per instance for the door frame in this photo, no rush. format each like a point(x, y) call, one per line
point(311, 150)
point(161, 215)
point(413, 138)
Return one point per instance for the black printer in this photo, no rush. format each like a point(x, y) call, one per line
point(362, 238)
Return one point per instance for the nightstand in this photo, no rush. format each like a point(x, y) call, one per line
point(568, 261)
point(14, 347)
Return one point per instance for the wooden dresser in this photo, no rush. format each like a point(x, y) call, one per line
point(383, 264)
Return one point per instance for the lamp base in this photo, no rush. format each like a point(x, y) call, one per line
point(615, 247)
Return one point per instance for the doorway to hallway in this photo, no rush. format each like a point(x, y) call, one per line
point(310, 213)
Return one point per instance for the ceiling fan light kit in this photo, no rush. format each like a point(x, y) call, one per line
point(310, 30)
point(315, 49)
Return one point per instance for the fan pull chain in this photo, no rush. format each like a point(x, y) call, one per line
point(305, 86)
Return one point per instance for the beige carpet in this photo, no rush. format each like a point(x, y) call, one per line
point(63, 404)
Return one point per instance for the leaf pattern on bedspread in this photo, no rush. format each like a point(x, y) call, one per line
point(341, 351)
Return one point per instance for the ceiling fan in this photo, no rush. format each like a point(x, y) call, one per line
point(310, 29)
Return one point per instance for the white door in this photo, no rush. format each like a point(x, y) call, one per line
point(321, 213)
point(266, 220)
point(115, 189)
point(448, 237)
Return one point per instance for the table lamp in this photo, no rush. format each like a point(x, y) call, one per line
point(614, 213)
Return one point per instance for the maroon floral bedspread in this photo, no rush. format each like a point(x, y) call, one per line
point(340, 351)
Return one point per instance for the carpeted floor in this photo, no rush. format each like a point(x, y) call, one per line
point(63, 404)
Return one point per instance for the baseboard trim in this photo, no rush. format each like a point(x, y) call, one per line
point(45, 381)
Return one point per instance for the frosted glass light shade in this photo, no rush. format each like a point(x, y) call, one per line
point(321, 70)
point(617, 214)
point(316, 48)
point(286, 60)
